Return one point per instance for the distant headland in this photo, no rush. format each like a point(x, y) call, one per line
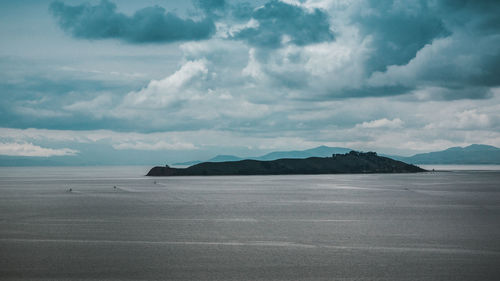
point(352, 162)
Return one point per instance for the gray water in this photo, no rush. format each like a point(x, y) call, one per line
point(428, 226)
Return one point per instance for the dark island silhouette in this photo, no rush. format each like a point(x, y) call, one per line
point(352, 162)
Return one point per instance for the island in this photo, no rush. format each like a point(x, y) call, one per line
point(353, 162)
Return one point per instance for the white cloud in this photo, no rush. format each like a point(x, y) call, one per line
point(314, 70)
point(472, 119)
point(162, 93)
point(382, 123)
point(101, 73)
point(253, 68)
point(191, 95)
point(467, 119)
point(161, 145)
point(225, 31)
point(97, 107)
point(29, 149)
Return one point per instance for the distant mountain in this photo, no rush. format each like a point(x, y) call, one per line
point(188, 163)
point(218, 158)
point(472, 154)
point(352, 162)
point(224, 158)
point(320, 151)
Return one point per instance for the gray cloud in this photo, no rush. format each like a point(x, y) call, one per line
point(480, 15)
point(210, 6)
point(37, 95)
point(148, 25)
point(398, 31)
point(242, 11)
point(277, 19)
point(462, 65)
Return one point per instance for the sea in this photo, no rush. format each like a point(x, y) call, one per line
point(114, 223)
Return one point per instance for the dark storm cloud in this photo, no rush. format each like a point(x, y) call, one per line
point(242, 11)
point(398, 33)
point(210, 6)
point(478, 25)
point(478, 22)
point(372, 92)
point(277, 19)
point(483, 15)
point(451, 45)
point(151, 24)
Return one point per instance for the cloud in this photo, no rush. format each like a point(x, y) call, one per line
point(253, 68)
point(398, 31)
point(96, 107)
point(482, 16)
point(467, 119)
point(165, 92)
point(210, 6)
point(465, 65)
point(35, 101)
point(459, 62)
point(382, 123)
point(148, 25)
point(29, 149)
point(189, 98)
point(280, 23)
point(39, 112)
point(161, 145)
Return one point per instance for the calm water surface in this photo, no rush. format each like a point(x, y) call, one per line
point(428, 226)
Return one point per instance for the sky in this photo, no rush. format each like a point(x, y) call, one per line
point(118, 81)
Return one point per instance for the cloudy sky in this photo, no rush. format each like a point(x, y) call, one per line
point(166, 81)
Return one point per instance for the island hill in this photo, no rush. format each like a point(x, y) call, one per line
point(352, 162)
